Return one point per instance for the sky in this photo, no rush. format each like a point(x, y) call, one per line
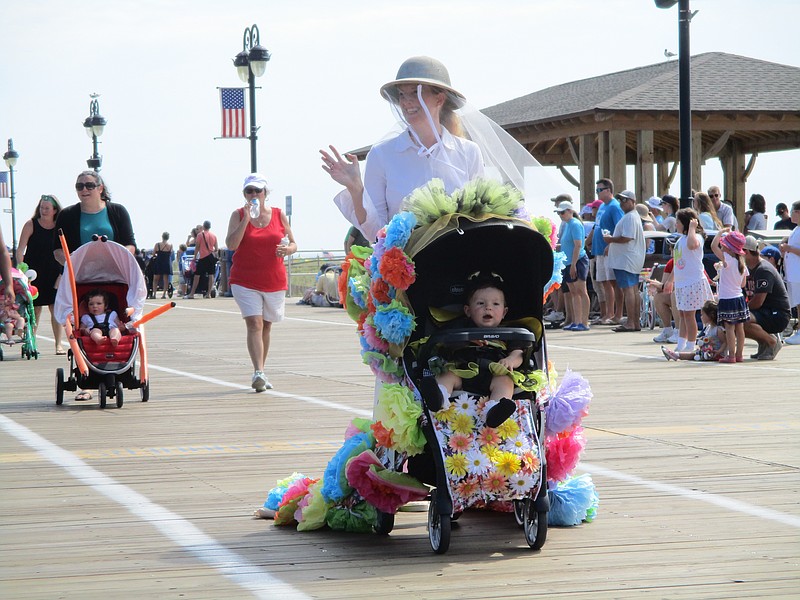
point(157, 65)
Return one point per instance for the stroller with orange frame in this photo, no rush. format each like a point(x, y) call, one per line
point(109, 369)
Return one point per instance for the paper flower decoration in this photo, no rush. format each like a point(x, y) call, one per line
point(397, 269)
point(563, 453)
point(569, 404)
point(572, 501)
point(335, 486)
point(399, 229)
point(394, 322)
point(397, 410)
point(385, 490)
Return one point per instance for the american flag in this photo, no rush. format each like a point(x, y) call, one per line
point(232, 100)
point(5, 191)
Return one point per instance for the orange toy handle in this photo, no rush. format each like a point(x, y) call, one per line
point(71, 270)
point(153, 314)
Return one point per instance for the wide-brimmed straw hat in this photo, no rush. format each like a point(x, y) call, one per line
point(426, 71)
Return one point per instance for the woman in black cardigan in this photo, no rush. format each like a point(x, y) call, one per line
point(95, 214)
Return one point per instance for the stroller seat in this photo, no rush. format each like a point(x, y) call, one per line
point(105, 356)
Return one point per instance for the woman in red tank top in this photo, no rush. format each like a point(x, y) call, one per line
point(258, 277)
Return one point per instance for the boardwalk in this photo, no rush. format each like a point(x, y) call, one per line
point(696, 466)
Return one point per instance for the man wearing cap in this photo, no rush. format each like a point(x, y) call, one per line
point(608, 216)
point(784, 218)
point(768, 303)
point(626, 250)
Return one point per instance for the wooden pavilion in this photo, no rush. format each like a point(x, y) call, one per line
point(740, 106)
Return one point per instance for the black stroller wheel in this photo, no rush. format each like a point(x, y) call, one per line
point(119, 394)
point(519, 512)
point(101, 393)
point(384, 523)
point(59, 387)
point(438, 527)
point(145, 391)
point(535, 525)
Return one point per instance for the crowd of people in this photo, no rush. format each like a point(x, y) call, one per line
point(606, 242)
point(756, 283)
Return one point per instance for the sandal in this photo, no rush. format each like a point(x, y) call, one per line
point(83, 396)
point(621, 329)
point(60, 352)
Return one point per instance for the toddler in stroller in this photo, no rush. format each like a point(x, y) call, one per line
point(106, 328)
point(482, 365)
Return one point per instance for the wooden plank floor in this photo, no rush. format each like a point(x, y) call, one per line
point(697, 466)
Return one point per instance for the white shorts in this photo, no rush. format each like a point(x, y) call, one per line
point(270, 305)
point(793, 287)
point(604, 273)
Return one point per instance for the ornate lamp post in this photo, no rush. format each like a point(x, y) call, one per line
point(250, 63)
point(95, 125)
point(684, 92)
point(11, 160)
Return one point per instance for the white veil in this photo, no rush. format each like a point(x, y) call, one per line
point(504, 158)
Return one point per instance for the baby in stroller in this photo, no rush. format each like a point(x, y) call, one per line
point(471, 367)
point(12, 322)
point(97, 303)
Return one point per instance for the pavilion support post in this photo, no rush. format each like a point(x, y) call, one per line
point(662, 173)
point(603, 155)
point(737, 190)
point(617, 158)
point(587, 159)
point(644, 164)
point(697, 160)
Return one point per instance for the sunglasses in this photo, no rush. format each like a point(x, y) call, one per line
point(598, 190)
point(89, 186)
point(252, 190)
point(714, 195)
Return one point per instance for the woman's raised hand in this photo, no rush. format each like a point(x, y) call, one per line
point(344, 171)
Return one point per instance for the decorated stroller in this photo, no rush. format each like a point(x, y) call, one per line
point(23, 305)
point(110, 267)
point(405, 293)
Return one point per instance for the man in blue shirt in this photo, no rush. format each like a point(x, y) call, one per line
point(608, 216)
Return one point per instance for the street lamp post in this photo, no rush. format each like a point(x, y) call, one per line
point(94, 125)
point(11, 160)
point(250, 63)
point(684, 93)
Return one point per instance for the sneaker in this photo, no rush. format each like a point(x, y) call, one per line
point(554, 316)
point(669, 354)
point(673, 338)
point(570, 327)
point(761, 348)
point(770, 352)
point(581, 327)
point(794, 339)
point(260, 382)
point(664, 336)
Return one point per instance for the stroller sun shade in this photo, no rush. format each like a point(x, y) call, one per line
point(515, 251)
point(102, 262)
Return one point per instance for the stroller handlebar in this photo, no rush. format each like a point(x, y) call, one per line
point(472, 334)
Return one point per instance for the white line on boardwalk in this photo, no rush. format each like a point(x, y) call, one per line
point(245, 574)
point(674, 490)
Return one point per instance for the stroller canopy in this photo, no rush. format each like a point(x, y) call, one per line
point(102, 262)
point(510, 248)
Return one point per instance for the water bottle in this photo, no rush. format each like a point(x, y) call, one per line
point(255, 209)
point(284, 243)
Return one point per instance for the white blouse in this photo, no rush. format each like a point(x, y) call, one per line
point(396, 167)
